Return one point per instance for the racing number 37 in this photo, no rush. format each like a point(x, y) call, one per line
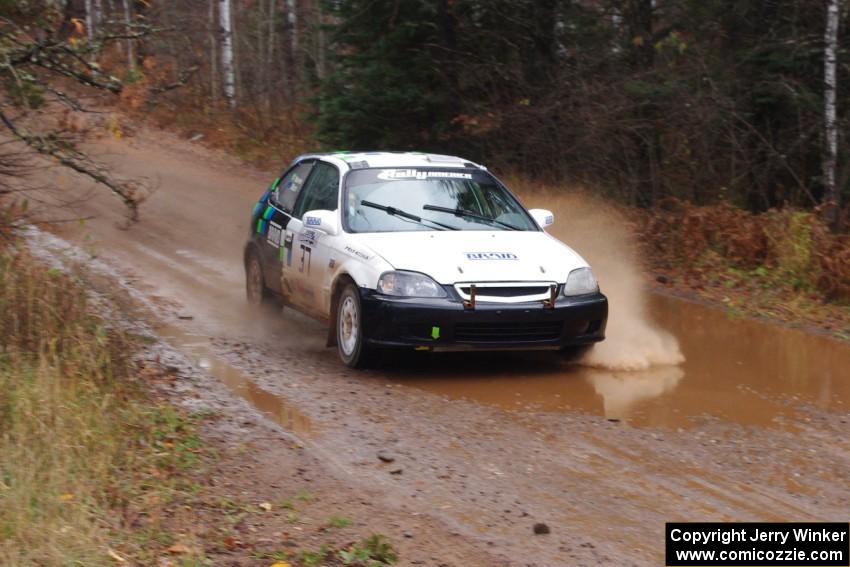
point(306, 253)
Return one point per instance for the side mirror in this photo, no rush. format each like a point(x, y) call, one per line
point(543, 217)
point(326, 221)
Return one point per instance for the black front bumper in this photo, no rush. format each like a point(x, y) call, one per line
point(445, 324)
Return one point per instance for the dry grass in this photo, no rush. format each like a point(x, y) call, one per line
point(82, 446)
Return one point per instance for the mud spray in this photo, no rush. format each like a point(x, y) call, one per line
point(602, 236)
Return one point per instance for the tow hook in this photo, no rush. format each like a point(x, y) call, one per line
point(553, 294)
point(470, 303)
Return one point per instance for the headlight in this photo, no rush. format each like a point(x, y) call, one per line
point(581, 282)
point(409, 284)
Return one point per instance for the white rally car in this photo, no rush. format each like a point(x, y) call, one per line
point(419, 251)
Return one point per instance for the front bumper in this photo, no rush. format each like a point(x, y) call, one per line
point(445, 324)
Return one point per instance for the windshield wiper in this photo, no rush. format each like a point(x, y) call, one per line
point(403, 214)
point(464, 213)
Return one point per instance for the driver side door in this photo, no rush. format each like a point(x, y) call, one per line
point(306, 268)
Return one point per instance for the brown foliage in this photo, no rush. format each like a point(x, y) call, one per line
point(789, 248)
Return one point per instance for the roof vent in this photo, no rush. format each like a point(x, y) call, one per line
point(438, 158)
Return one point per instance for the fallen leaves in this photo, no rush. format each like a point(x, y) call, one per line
point(178, 549)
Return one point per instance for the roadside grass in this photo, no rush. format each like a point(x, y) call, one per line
point(89, 462)
point(94, 469)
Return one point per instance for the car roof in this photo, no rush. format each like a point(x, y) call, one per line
point(362, 160)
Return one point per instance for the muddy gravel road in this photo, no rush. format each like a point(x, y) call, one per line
point(685, 414)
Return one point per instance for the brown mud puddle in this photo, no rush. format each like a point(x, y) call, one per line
point(737, 370)
point(199, 350)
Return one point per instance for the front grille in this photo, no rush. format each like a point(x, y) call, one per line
point(506, 291)
point(499, 332)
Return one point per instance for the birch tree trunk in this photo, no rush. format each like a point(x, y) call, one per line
point(830, 158)
point(227, 67)
point(89, 20)
point(97, 17)
point(131, 48)
point(211, 37)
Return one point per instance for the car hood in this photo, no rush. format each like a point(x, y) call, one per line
point(476, 256)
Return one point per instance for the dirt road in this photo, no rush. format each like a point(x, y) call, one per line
point(751, 426)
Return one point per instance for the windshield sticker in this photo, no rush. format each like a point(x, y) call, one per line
point(273, 237)
point(392, 174)
point(491, 256)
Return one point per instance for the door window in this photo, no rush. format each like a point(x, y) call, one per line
point(288, 188)
point(320, 192)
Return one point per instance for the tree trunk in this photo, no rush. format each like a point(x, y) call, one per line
point(227, 67)
point(830, 158)
point(97, 17)
point(89, 20)
point(320, 43)
point(295, 69)
point(131, 49)
point(211, 36)
point(269, 67)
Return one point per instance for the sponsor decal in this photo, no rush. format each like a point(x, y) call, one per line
point(391, 174)
point(550, 219)
point(275, 232)
point(263, 221)
point(287, 244)
point(331, 263)
point(308, 237)
point(312, 221)
point(491, 256)
point(358, 253)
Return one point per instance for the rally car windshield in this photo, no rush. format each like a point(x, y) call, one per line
point(395, 200)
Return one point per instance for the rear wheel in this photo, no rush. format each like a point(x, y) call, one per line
point(255, 284)
point(350, 341)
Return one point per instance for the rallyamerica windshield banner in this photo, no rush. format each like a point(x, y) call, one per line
point(821, 544)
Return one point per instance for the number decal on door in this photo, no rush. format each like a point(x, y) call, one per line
point(306, 253)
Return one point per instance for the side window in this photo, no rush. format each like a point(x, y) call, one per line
point(320, 192)
point(290, 185)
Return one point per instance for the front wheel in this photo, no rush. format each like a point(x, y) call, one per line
point(351, 344)
point(255, 285)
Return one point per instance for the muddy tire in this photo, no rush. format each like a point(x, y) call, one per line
point(255, 285)
point(350, 341)
point(575, 353)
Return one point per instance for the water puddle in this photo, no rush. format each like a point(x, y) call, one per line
point(199, 349)
point(735, 370)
